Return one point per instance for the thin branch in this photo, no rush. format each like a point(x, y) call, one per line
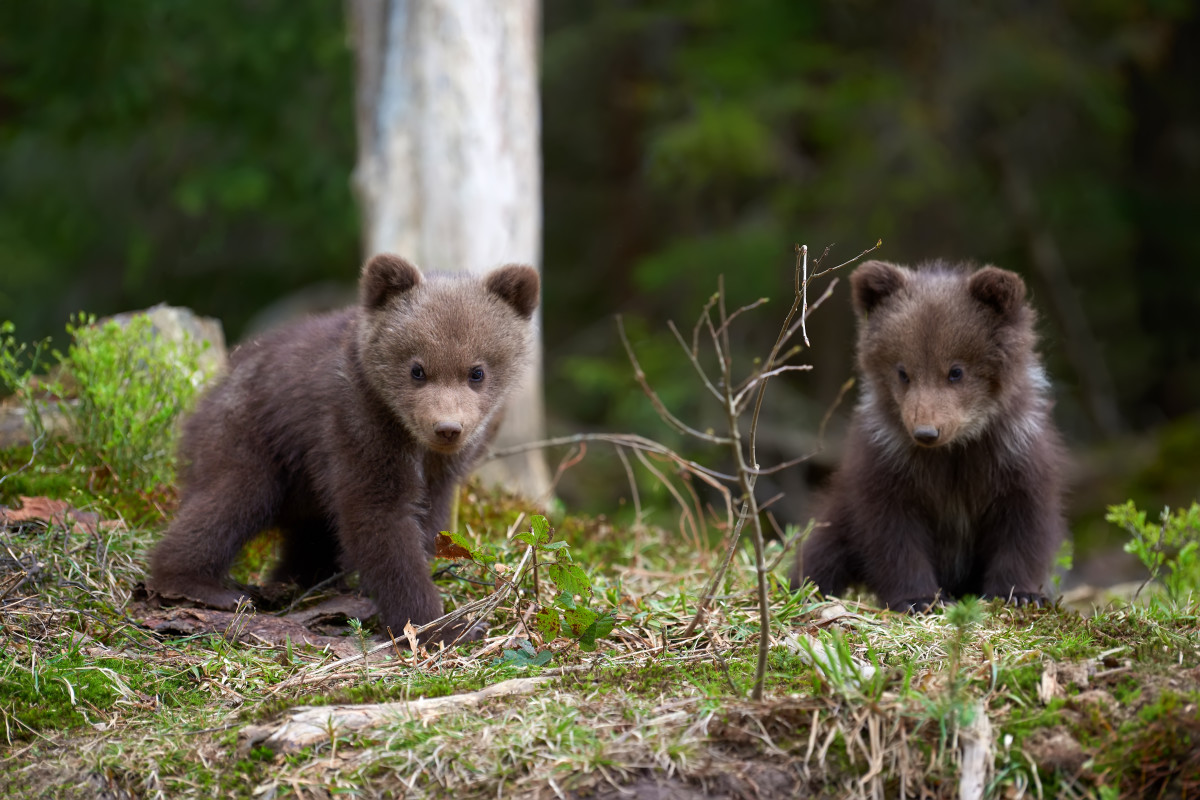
point(800, 322)
point(796, 538)
point(694, 357)
point(685, 511)
point(802, 253)
point(763, 376)
point(659, 406)
point(705, 314)
point(837, 401)
point(848, 261)
point(630, 440)
point(780, 467)
point(633, 489)
point(748, 307)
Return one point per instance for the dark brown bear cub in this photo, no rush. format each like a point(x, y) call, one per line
point(348, 433)
point(950, 480)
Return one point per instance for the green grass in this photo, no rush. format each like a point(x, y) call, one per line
point(92, 702)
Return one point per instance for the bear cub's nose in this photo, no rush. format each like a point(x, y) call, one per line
point(448, 431)
point(925, 434)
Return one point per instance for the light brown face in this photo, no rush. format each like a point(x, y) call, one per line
point(450, 374)
point(444, 352)
point(933, 348)
point(932, 359)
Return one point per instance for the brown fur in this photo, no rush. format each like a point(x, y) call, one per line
point(323, 430)
point(950, 484)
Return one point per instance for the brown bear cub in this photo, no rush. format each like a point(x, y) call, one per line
point(950, 483)
point(348, 433)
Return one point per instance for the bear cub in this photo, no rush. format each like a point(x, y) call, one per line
point(950, 483)
point(348, 433)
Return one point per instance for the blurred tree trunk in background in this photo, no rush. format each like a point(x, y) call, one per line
point(449, 167)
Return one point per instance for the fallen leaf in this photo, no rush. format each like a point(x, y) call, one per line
point(257, 629)
point(410, 633)
point(447, 548)
point(57, 513)
point(38, 508)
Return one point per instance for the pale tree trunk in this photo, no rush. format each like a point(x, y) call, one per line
point(449, 167)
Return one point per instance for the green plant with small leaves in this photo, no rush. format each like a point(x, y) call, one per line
point(1169, 548)
point(19, 364)
point(569, 614)
point(122, 388)
point(132, 385)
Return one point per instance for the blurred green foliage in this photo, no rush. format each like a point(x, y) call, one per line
point(690, 139)
point(201, 153)
point(193, 152)
point(132, 385)
point(1169, 547)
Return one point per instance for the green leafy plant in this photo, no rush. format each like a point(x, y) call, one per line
point(18, 367)
point(1169, 547)
point(131, 386)
point(121, 388)
point(569, 614)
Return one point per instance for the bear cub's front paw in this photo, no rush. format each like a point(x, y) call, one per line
point(918, 605)
point(1035, 599)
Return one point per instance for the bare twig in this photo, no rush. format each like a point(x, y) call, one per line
point(35, 448)
point(693, 357)
point(633, 489)
point(630, 440)
point(659, 406)
point(804, 294)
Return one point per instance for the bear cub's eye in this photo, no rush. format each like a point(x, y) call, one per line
point(476, 374)
point(418, 372)
point(956, 374)
point(903, 374)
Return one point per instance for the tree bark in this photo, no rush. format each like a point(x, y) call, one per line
point(449, 166)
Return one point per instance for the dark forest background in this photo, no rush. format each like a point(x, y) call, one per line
point(201, 154)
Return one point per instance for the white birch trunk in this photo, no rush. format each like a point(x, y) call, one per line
point(449, 167)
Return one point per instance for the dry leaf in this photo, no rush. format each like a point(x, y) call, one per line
point(57, 513)
point(446, 548)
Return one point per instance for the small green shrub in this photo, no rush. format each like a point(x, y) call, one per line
point(131, 386)
point(124, 389)
point(1171, 544)
point(19, 363)
point(568, 614)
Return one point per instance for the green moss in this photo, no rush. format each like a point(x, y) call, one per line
point(1154, 754)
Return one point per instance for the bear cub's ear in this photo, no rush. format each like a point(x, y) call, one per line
point(873, 282)
point(998, 289)
point(517, 285)
point(385, 276)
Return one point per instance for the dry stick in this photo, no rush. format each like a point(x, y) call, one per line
point(694, 357)
point(630, 440)
point(685, 511)
point(633, 490)
point(748, 307)
point(748, 475)
point(662, 410)
point(747, 482)
point(719, 575)
point(572, 458)
point(803, 252)
point(704, 312)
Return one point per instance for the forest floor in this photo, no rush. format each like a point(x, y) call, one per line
point(105, 695)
